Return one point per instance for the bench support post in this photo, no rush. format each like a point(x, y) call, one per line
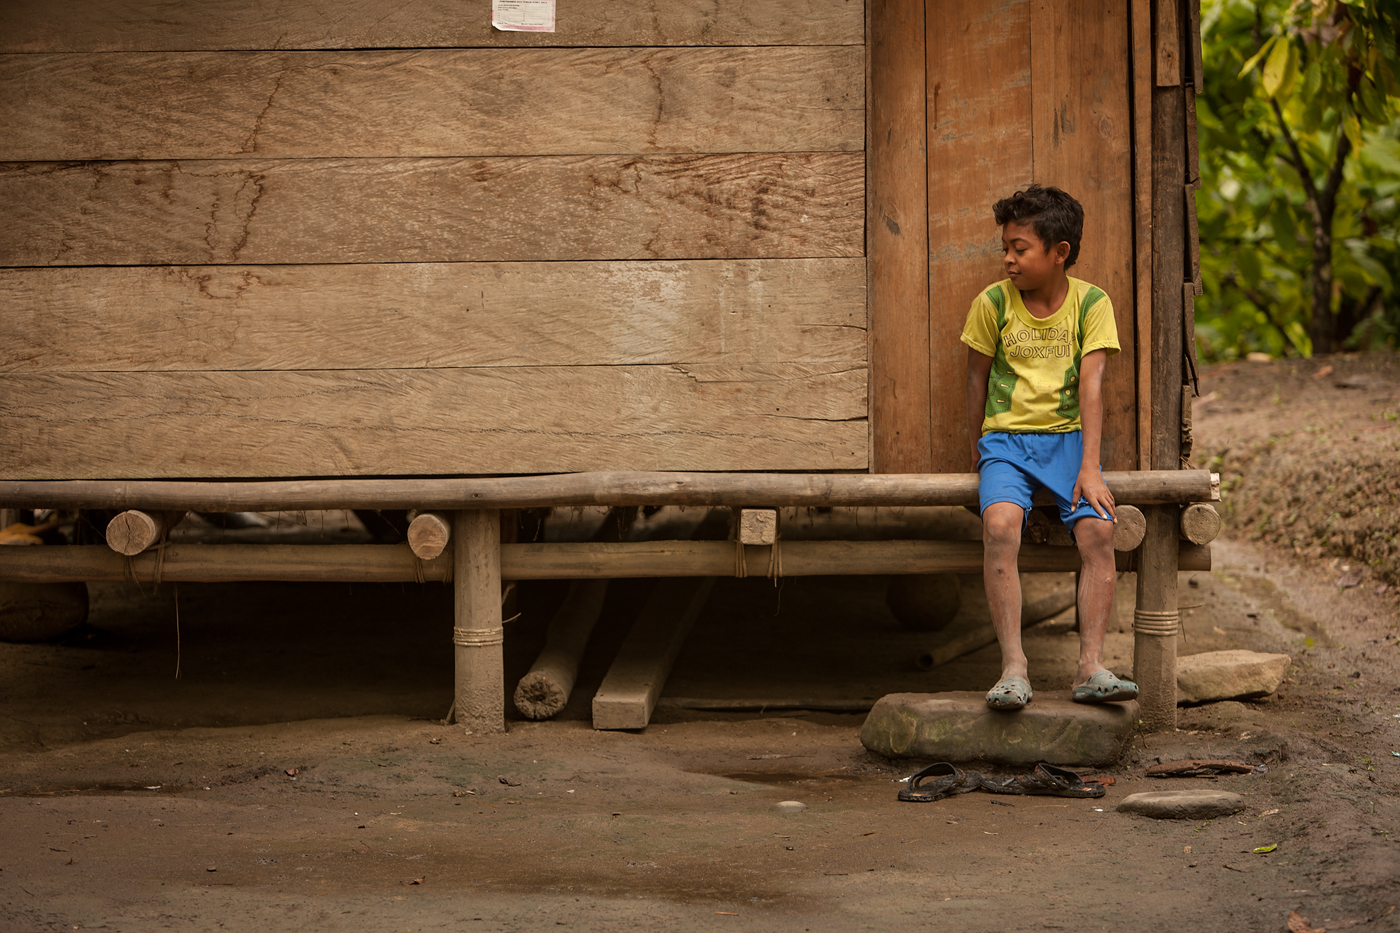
point(479, 696)
point(1156, 621)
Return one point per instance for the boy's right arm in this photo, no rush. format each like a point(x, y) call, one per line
point(979, 368)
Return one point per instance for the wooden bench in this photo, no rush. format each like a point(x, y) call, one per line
point(476, 561)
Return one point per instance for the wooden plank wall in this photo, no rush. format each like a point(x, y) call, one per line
point(897, 221)
point(267, 238)
point(1025, 91)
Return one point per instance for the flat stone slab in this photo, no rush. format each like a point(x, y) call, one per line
point(1228, 675)
point(959, 726)
point(1182, 804)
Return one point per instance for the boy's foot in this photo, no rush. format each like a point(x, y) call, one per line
point(1011, 692)
point(1104, 687)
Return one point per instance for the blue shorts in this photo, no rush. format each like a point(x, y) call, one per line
point(1014, 466)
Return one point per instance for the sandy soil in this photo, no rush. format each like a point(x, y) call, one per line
point(296, 775)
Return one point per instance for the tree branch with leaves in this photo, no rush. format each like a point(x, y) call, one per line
point(1309, 86)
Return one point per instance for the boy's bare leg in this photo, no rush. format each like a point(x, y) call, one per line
point(1001, 543)
point(1095, 599)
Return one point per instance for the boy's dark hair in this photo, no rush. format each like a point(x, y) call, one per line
point(1050, 212)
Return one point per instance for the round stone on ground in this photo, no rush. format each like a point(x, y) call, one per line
point(35, 612)
point(924, 602)
point(1182, 804)
point(790, 806)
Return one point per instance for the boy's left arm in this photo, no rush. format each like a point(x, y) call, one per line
point(1090, 484)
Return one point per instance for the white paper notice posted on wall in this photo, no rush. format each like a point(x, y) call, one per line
point(523, 15)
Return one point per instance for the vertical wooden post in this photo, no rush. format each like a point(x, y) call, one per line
point(897, 238)
point(476, 568)
point(1156, 620)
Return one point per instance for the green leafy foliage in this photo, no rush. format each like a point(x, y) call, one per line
point(1299, 132)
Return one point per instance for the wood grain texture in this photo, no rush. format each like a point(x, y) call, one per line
point(1166, 35)
point(179, 25)
point(757, 526)
point(481, 102)
point(1169, 271)
point(433, 210)
point(1193, 239)
point(1193, 143)
point(897, 237)
point(406, 422)
point(979, 150)
point(628, 694)
point(1082, 129)
point(1193, 39)
point(132, 531)
point(1200, 523)
point(1189, 291)
point(429, 534)
point(1140, 14)
point(431, 315)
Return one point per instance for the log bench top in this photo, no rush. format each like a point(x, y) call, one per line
point(1138, 487)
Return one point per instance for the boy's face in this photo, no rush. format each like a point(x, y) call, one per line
point(1029, 264)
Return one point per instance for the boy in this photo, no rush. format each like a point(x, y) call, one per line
point(1037, 343)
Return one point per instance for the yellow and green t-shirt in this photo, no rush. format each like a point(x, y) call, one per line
point(1034, 383)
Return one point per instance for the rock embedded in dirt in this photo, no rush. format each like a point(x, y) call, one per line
point(790, 806)
point(34, 612)
point(958, 726)
point(1228, 675)
point(1182, 804)
point(924, 602)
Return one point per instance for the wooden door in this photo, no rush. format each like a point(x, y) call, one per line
point(1028, 91)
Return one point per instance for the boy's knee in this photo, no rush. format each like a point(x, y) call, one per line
point(1001, 524)
point(1094, 536)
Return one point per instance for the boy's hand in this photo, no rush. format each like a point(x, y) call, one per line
point(1092, 489)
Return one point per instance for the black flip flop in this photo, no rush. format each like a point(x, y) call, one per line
point(1050, 781)
point(1045, 781)
point(933, 783)
point(971, 781)
point(1008, 786)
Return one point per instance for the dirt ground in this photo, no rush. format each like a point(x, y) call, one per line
point(296, 775)
point(1307, 452)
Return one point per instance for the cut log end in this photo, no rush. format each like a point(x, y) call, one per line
point(1130, 528)
point(428, 535)
point(537, 696)
point(1200, 523)
point(758, 526)
point(131, 532)
point(1043, 526)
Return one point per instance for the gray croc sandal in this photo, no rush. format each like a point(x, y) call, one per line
point(1104, 687)
point(1010, 693)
